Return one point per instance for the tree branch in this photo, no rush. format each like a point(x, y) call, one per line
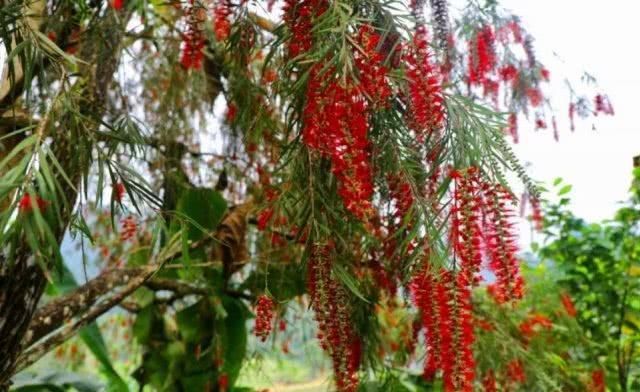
point(33, 354)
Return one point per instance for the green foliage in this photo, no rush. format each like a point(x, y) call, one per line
point(599, 266)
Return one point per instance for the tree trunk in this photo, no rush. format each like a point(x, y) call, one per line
point(21, 280)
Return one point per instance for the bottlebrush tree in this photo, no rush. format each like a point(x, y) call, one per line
point(360, 160)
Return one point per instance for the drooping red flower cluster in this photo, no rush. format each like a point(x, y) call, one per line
point(444, 300)
point(536, 214)
point(193, 38)
point(572, 116)
point(372, 74)
point(513, 127)
point(129, 228)
point(489, 382)
point(336, 125)
point(603, 105)
point(568, 305)
point(221, 21)
point(332, 309)
point(597, 383)
point(500, 242)
point(426, 103)
point(533, 324)
point(298, 17)
point(117, 4)
point(482, 57)
point(423, 290)
point(264, 317)
point(28, 203)
point(535, 96)
point(515, 372)
point(118, 192)
point(465, 235)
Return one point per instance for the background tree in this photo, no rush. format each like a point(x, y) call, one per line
point(368, 156)
point(599, 267)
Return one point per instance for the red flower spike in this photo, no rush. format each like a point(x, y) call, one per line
point(298, 17)
point(536, 215)
point(515, 372)
point(489, 382)
point(28, 203)
point(572, 115)
point(336, 124)
point(568, 305)
point(332, 311)
point(223, 382)
point(371, 71)
point(533, 324)
point(193, 38)
point(263, 218)
point(535, 96)
point(603, 105)
point(501, 243)
point(264, 317)
point(597, 383)
point(221, 22)
point(482, 56)
point(465, 233)
point(117, 4)
point(118, 192)
point(129, 228)
point(513, 127)
point(423, 292)
point(425, 93)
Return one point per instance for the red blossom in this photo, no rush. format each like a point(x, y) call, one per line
point(603, 105)
point(221, 22)
point(193, 38)
point(129, 228)
point(545, 74)
point(597, 383)
point(540, 124)
point(568, 305)
point(372, 73)
point(533, 324)
point(515, 371)
point(501, 243)
point(536, 215)
point(117, 4)
point(119, 191)
point(513, 127)
point(298, 17)
point(28, 203)
point(425, 93)
point(508, 73)
point(482, 56)
point(332, 312)
point(465, 233)
point(572, 115)
point(535, 96)
point(336, 124)
point(264, 317)
point(223, 382)
point(264, 217)
point(232, 112)
point(489, 382)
